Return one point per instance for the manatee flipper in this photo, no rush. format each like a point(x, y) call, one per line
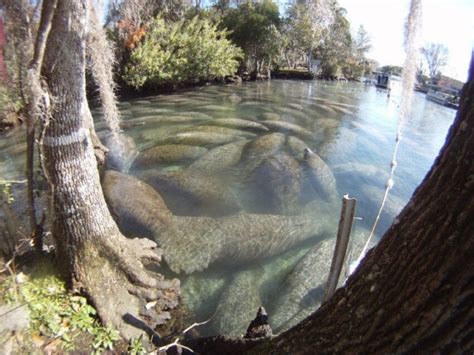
point(238, 304)
point(303, 287)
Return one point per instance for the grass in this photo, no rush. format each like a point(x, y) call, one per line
point(55, 313)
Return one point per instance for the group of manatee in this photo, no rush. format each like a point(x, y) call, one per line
point(232, 193)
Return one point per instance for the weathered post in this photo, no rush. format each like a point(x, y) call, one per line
point(343, 235)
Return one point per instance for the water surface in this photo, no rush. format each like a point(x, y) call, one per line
point(352, 129)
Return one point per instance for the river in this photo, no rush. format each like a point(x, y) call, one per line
point(352, 127)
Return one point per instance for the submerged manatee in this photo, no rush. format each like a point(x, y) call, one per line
point(259, 149)
point(238, 123)
point(271, 116)
point(276, 185)
point(168, 153)
point(194, 243)
point(281, 126)
point(122, 152)
point(200, 138)
point(201, 292)
point(137, 208)
point(320, 176)
point(220, 158)
point(191, 194)
point(238, 304)
point(297, 147)
point(223, 130)
point(234, 98)
point(174, 119)
point(303, 288)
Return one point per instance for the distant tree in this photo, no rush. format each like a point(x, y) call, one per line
point(357, 63)
point(362, 42)
point(252, 27)
point(300, 34)
point(336, 49)
point(304, 26)
point(436, 56)
point(392, 69)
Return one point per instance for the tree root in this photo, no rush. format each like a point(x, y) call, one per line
point(128, 297)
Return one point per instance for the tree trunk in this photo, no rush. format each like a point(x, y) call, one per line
point(414, 292)
point(97, 259)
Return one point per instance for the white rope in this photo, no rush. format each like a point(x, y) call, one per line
point(408, 81)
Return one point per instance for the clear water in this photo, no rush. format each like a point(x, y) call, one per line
point(353, 127)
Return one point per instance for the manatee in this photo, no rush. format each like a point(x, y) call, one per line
point(141, 102)
point(238, 304)
point(342, 110)
point(200, 138)
point(320, 176)
point(223, 130)
point(137, 208)
point(272, 116)
point(303, 288)
point(124, 104)
point(327, 108)
point(122, 151)
point(194, 243)
point(327, 123)
point(238, 123)
point(292, 128)
point(234, 98)
point(191, 194)
point(251, 103)
point(173, 119)
point(168, 153)
point(297, 147)
point(219, 158)
point(197, 115)
point(276, 185)
point(259, 149)
point(201, 292)
point(215, 108)
point(288, 110)
point(125, 125)
point(296, 106)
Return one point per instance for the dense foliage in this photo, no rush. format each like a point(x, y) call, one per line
point(181, 51)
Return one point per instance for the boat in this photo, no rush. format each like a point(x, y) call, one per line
point(383, 81)
point(443, 96)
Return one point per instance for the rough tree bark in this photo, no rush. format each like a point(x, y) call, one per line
point(96, 258)
point(414, 292)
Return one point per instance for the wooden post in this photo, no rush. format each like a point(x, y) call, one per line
point(343, 235)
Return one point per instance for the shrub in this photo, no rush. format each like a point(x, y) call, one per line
point(181, 51)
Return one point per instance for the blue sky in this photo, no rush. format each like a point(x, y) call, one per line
point(450, 22)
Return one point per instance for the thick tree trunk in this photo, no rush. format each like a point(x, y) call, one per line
point(97, 259)
point(414, 292)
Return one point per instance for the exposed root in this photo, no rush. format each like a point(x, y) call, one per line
point(126, 295)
